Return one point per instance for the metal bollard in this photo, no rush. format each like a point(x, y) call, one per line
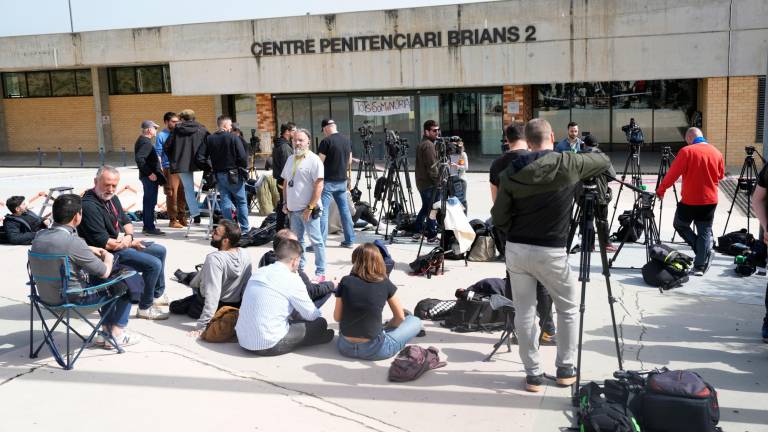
point(61, 161)
point(125, 163)
point(39, 157)
point(80, 151)
point(101, 156)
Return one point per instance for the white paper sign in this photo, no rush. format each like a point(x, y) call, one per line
point(382, 107)
point(513, 107)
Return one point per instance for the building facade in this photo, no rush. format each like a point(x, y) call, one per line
point(474, 68)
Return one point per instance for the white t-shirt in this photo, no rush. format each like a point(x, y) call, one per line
point(302, 174)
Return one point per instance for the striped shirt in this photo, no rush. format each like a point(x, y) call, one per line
point(271, 296)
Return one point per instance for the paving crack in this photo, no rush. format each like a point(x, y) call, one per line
point(643, 330)
point(21, 374)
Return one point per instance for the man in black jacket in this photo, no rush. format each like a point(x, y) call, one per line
point(21, 225)
point(280, 155)
point(150, 174)
point(223, 153)
point(181, 148)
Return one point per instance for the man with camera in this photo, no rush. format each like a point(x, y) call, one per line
point(336, 153)
point(223, 153)
point(571, 143)
point(701, 165)
point(533, 208)
point(280, 154)
point(303, 174)
point(760, 207)
point(427, 177)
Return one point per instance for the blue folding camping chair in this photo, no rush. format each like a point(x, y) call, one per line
point(42, 271)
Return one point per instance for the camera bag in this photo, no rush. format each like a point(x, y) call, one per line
point(474, 314)
point(434, 309)
point(630, 229)
point(597, 413)
point(668, 268)
point(679, 401)
point(726, 244)
point(428, 263)
point(483, 248)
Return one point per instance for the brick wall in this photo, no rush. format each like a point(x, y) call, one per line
point(128, 111)
point(68, 122)
point(265, 117)
point(728, 106)
point(522, 95)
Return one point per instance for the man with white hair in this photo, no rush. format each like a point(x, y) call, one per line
point(701, 165)
point(105, 225)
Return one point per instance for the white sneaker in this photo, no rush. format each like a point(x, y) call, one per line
point(163, 300)
point(125, 339)
point(152, 313)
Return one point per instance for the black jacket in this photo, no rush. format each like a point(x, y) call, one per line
point(147, 159)
point(280, 155)
point(100, 218)
point(222, 151)
point(425, 169)
point(21, 230)
point(315, 290)
point(181, 147)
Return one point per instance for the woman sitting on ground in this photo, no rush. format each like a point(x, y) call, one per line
point(360, 299)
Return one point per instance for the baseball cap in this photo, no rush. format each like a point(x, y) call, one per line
point(326, 122)
point(146, 124)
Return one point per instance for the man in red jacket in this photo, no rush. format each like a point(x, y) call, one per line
point(702, 167)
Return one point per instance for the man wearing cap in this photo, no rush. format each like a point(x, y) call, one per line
point(150, 174)
point(336, 153)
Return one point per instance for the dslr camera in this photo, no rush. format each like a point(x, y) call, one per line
point(633, 132)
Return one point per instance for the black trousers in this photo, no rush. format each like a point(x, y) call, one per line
point(544, 309)
point(280, 222)
point(300, 333)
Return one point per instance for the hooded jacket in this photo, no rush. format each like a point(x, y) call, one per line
point(182, 145)
point(102, 220)
point(536, 190)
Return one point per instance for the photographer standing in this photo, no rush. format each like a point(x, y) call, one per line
point(702, 167)
point(427, 178)
point(229, 164)
point(336, 153)
point(533, 208)
point(280, 154)
point(760, 207)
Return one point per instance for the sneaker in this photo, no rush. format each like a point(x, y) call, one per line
point(318, 279)
point(547, 339)
point(196, 220)
point(347, 245)
point(433, 240)
point(175, 224)
point(152, 313)
point(534, 383)
point(125, 339)
point(699, 270)
point(416, 236)
point(152, 232)
point(163, 300)
point(765, 330)
point(98, 341)
point(566, 375)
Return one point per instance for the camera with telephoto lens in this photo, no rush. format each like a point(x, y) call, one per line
point(633, 132)
point(395, 144)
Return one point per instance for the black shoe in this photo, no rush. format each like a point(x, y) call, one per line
point(534, 383)
point(327, 337)
point(566, 375)
point(699, 270)
point(153, 232)
point(196, 219)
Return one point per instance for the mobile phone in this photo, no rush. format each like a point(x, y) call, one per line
point(120, 236)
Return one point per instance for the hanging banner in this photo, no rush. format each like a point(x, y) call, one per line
point(382, 107)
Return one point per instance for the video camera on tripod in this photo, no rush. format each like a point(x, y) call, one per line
point(633, 133)
point(366, 132)
point(395, 145)
point(447, 146)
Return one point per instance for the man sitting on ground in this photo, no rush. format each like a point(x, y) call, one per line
point(221, 280)
point(86, 263)
point(273, 296)
point(21, 225)
point(105, 225)
point(318, 292)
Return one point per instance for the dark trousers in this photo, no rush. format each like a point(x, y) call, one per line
point(428, 197)
point(701, 240)
point(300, 333)
point(149, 202)
point(280, 222)
point(544, 309)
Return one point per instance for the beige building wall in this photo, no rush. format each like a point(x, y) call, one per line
point(49, 123)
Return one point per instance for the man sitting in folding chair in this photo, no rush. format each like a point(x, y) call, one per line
point(64, 270)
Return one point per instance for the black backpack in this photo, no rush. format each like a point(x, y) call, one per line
point(728, 244)
point(429, 263)
point(597, 413)
point(679, 401)
point(668, 268)
point(262, 235)
point(630, 230)
point(434, 309)
point(475, 314)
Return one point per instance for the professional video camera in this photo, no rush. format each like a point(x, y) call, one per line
point(447, 145)
point(633, 132)
point(255, 143)
point(366, 131)
point(750, 150)
point(396, 145)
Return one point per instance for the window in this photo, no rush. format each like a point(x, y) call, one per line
point(140, 79)
point(47, 83)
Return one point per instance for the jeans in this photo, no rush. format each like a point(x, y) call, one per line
point(148, 203)
point(188, 180)
point(702, 216)
point(233, 193)
point(150, 262)
point(527, 264)
point(119, 314)
point(337, 191)
point(426, 205)
point(385, 345)
point(300, 333)
point(312, 227)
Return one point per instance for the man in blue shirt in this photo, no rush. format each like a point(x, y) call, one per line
point(173, 189)
point(571, 143)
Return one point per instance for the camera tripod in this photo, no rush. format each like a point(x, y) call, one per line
point(642, 210)
point(746, 183)
point(365, 166)
point(588, 208)
point(631, 166)
point(667, 157)
point(394, 204)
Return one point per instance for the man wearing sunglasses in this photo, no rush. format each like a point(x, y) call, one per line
point(427, 178)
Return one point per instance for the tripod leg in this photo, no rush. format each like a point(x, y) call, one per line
point(602, 241)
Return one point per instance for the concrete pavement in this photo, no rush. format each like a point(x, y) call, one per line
point(170, 380)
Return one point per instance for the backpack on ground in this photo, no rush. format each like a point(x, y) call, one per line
point(728, 244)
point(483, 249)
point(597, 413)
point(474, 314)
point(221, 327)
point(668, 268)
point(630, 228)
point(434, 309)
point(389, 262)
point(262, 235)
point(679, 401)
point(429, 263)
point(412, 361)
point(192, 306)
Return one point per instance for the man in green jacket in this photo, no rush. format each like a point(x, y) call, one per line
point(533, 207)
